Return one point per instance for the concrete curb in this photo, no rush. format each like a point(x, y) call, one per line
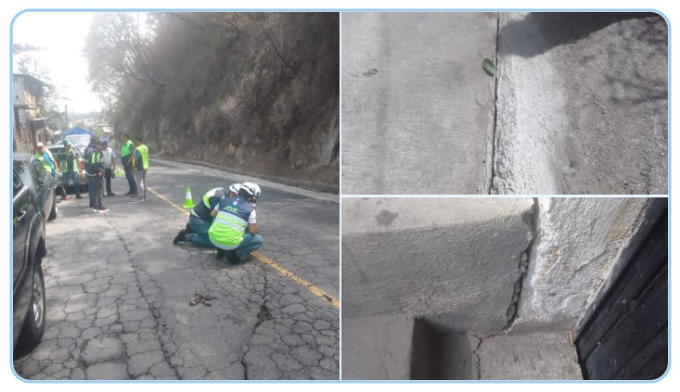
point(306, 184)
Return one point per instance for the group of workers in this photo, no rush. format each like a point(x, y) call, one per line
point(225, 219)
point(100, 168)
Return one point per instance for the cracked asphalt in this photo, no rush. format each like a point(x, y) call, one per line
point(118, 290)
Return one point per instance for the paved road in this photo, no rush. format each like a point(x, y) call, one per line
point(118, 291)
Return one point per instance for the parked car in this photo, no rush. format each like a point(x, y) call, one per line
point(40, 182)
point(57, 150)
point(33, 195)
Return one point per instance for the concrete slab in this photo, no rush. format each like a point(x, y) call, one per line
point(377, 348)
point(417, 108)
point(582, 104)
point(435, 257)
point(536, 356)
point(579, 243)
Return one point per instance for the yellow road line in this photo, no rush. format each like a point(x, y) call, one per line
point(313, 289)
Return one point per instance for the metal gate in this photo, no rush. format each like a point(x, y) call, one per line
point(626, 338)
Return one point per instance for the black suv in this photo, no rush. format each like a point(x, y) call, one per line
point(34, 196)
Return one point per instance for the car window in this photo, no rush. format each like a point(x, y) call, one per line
point(38, 169)
point(18, 184)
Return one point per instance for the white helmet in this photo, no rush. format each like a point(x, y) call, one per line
point(234, 188)
point(251, 189)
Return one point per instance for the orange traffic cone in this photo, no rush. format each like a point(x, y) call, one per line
point(188, 200)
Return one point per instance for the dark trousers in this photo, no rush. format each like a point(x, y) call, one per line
point(97, 191)
point(90, 189)
point(107, 175)
point(130, 177)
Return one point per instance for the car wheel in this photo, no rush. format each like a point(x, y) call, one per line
point(34, 326)
point(53, 213)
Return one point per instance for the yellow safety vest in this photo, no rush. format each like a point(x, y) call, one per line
point(144, 153)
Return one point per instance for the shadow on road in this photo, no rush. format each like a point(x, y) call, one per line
point(539, 32)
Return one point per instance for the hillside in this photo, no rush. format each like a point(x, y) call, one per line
point(253, 92)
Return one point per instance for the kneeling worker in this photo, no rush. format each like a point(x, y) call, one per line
point(234, 227)
point(200, 220)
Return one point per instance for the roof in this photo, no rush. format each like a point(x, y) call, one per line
point(21, 156)
point(77, 131)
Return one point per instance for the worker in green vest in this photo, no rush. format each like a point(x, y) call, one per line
point(42, 154)
point(140, 164)
point(126, 158)
point(69, 166)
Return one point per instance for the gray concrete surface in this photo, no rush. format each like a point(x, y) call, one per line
point(118, 292)
point(377, 347)
point(578, 244)
point(582, 104)
point(435, 257)
point(535, 356)
point(417, 109)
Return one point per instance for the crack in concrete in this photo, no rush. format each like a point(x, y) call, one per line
point(478, 359)
point(494, 136)
point(513, 308)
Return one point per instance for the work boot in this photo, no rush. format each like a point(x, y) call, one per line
point(188, 229)
point(111, 194)
point(181, 236)
point(232, 257)
point(78, 197)
point(220, 254)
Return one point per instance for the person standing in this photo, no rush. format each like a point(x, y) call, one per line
point(69, 161)
point(95, 172)
point(51, 166)
point(140, 164)
point(126, 159)
point(109, 165)
point(91, 148)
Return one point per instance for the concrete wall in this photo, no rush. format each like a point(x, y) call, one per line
point(417, 108)
point(579, 242)
point(456, 261)
point(582, 104)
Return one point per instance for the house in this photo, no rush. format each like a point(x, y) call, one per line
point(29, 127)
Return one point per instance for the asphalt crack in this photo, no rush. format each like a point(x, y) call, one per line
point(161, 326)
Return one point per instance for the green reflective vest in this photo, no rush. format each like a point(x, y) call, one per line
point(47, 165)
point(125, 150)
point(144, 153)
point(64, 161)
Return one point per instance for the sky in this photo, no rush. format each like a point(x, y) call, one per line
point(63, 35)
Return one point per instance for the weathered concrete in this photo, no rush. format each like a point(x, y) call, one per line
point(535, 356)
point(456, 261)
point(582, 104)
point(579, 241)
point(417, 108)
point(377, 347)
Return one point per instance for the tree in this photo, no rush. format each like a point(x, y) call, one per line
point(118, 55)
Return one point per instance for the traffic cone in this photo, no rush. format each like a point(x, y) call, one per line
point(188, 200)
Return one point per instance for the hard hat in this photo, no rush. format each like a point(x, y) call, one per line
point(251, 189)
point(67, 142)
point(234, 188)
